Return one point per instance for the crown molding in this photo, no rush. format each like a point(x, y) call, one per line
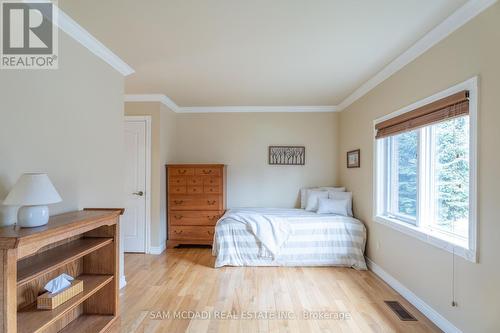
point(160, 98)
point(82, 36)
point(226, 109)
point(460, 17)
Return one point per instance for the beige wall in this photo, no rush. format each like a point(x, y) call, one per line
point(167, 155)
point(66, 122)
point(424, 269)
point(241, 141)
point(162, 152)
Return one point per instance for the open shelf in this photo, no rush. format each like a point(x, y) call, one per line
point(31, 268)
point(32, 320)
point(88, 323)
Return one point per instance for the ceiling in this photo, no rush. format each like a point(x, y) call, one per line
point(256, 52)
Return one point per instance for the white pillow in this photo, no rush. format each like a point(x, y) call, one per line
point(304, 191)
point(332, 206)
point(312, 199)
point(304, 195)
point(342, 196)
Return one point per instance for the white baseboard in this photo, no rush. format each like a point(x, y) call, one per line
point(423, 307)
point(157, 249)
point(123, 282)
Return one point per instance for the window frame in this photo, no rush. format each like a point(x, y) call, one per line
point(433, 236)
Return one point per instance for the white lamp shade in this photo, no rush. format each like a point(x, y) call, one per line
point(32, 189)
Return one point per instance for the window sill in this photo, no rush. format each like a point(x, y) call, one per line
point(435, 238)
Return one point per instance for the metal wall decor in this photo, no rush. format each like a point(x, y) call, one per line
point(287, 155)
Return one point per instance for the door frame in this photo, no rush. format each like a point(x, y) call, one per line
point(147, 191)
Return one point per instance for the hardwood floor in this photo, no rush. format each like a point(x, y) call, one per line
point(185, 280)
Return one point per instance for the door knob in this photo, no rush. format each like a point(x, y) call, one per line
point(140, 193)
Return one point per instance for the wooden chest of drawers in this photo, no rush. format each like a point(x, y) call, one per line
point(196, 199)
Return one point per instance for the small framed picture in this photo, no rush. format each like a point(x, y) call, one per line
point(353, 159)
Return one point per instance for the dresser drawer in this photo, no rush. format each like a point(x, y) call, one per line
point(206, 218)
point(207, 171)
point(195, 180)
point(179, 171)
point(191, 233)
point(210, 181)
point(174, 189)
point(211, 189)
point(195, 202)
point(176, 180)
point(195, 189)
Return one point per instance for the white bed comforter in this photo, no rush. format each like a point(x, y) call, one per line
point(288, 237)
point(271, 230)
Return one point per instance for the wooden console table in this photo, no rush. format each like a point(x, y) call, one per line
point(83, 244)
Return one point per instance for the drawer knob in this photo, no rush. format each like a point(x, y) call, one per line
point(181, 172)
point(211, 202)
point(207, 172)
point(178, 202)
point(178, 231)
point(178, 217)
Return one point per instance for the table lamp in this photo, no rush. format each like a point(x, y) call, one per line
point(33, 192)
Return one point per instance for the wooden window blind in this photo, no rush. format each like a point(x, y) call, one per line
point(453, 106)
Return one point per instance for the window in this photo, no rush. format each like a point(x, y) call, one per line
point(402, 176)
point(449, 176)
point(425, 170)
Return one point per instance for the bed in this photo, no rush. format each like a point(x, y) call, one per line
point(288, 237)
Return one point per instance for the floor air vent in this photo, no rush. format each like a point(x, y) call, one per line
point(400, 311)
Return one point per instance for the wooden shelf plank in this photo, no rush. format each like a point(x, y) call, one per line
point(33, 320)
point(89, 323)
point(30, 268)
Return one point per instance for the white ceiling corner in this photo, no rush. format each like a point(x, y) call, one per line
point(460, 17)
point(79, 34)
point(160, 98)
point(160, 71)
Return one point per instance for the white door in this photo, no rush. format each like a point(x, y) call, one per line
point(134, 220)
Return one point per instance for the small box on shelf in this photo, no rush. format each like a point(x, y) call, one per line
point(49, 301)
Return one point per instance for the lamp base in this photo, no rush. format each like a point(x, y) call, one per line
point(32, 216)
